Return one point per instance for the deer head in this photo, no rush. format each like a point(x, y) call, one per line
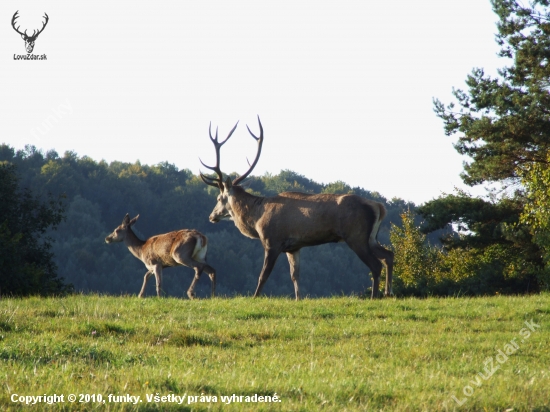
point(29, 40)
point(120, 232)
point(223, 210)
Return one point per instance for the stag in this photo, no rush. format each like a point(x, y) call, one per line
point(291, 220)
point(186, 247)
point(29, 40)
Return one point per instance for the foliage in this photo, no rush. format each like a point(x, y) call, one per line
point(26, 262)
point(417, 263)
point(536, 213)
point(331, 354)
point(457, 269)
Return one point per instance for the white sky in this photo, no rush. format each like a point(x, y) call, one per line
point(343, 88)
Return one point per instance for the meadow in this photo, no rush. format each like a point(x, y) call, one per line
point(334, 354)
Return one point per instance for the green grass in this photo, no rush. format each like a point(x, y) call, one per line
point(338, 354)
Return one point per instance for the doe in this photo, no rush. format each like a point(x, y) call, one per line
point(186, 247)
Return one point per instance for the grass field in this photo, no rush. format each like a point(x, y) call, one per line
point(338, 354)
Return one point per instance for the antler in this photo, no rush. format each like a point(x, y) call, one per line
point(217, 182)
point(260, 141)
point(34, 34)
point(43, 25)
point(15, 16)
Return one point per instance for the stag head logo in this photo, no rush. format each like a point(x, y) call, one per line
point(29, 40)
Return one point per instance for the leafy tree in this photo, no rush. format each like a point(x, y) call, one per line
point(417, 264)
point(26, 263)
point(536, 213)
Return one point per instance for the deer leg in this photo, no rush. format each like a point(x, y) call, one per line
point(388, 264)
point(212, 276)
point(191, 290)
point(294, 261)
point(375, 284)
point(145, 278)
point(198, 267)
point(158, 278)
point(368, 258)
point(270, 258)
point(187, 255)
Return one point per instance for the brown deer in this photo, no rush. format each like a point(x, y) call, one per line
point(186, 247)
point(291, 220)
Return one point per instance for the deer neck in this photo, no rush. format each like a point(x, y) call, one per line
point(134, 244)
point(247, 210)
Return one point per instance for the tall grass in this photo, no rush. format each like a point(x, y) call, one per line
point(341, 354)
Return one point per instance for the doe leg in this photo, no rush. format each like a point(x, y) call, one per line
point(158, 278)
point(191, 291)
point(147, 276)
point(212, 276)
point(198, 267)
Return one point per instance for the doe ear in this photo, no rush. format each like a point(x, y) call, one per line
point(126, 220)
point(134, 220)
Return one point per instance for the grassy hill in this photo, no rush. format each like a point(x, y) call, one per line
point(317, 354)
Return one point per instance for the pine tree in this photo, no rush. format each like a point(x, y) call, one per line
point(504, 122)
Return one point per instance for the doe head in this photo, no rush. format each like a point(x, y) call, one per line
point(119, 234)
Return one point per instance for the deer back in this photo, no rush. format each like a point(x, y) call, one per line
point(161, 248)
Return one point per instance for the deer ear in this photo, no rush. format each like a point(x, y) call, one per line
point(228, 184)
point(126, 220)
point(133, 221)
